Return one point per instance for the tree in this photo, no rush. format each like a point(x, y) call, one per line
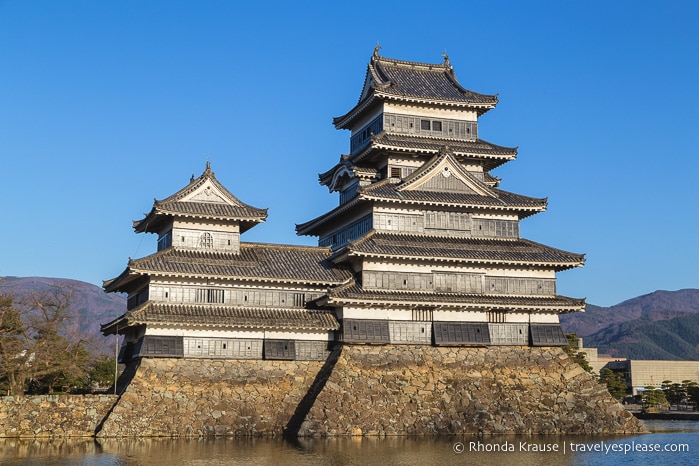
point(571, 350)
point(34, 345)
point(102, 371)
point(675, 393)
point(14, 358)
point(616, 385)
point(652, 398)
point(692, 393)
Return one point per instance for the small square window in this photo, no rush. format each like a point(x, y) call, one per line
point(436, 126)
point(425, 125)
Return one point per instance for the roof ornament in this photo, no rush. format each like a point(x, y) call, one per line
point(445, 150)
point(376, 49)
point(446, 58)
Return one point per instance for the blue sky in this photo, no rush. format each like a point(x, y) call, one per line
point(106, 105)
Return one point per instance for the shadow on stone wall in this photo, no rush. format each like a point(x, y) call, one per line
point(122, 382)
point(292, 428)
point(409, 390)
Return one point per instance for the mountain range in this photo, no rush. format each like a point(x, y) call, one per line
point(91, 304)
point(658, 325)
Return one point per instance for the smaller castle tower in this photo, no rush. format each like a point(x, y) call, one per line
point(206, 294)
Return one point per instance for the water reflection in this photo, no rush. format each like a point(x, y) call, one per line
point(349, 451)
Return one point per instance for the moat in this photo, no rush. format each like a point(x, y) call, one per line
point(679, 438)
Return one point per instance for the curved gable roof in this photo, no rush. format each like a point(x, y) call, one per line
point(387, 78)
point(205, 198)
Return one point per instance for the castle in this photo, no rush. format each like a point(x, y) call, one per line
point(421, 311)
point(422, 249)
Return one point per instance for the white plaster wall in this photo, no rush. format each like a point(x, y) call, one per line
point(363, 313)
point(516, 317)
point(494, 216)
point(433, 112)
point(222, 226)
point(191, 238)
point(544, 318)
point(289, 335)
point(383, 266)
point(459, 316)
point(205, 333)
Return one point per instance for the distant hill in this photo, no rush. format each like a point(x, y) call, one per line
point(93, 306)
point(659, 325)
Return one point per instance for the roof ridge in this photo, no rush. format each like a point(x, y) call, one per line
point(387, 134)
point(444, 65)
point(284, 246)
point(194, 184)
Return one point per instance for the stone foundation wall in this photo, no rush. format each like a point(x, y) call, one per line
point(370, 390)
point(359, 390)
point(187, 397)
point(53, 415)
point(390, 390)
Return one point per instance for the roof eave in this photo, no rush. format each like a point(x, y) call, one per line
point(342, 122)
point(479, 107)
point(529, 210)
point(558, 266)
point(117, 283)
point(307, 228)
point(112, 328)
point(456, 305)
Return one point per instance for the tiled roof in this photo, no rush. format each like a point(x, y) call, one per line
point(207, 315)
point(354, 294)
point(386, 191)
point(421, 80)
point(414, 82)
point(200, 209)
point(444, 160)
point(309, 227)
point(430, 145)
point(267, 262)
point(455, 249)
point(229, 208)
point(358, 171)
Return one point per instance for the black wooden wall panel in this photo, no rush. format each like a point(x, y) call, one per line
point(547, 335)
point(280, 349)
point(461, 333)
point(161, 346)
point(365, 331)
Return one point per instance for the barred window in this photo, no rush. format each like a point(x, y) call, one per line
point(209, 295)
point(496, 316)
point(206, 240)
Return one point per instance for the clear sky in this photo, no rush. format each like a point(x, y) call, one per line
point(106, 105)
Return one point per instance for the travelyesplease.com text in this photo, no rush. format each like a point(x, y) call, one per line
point(573, 447)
